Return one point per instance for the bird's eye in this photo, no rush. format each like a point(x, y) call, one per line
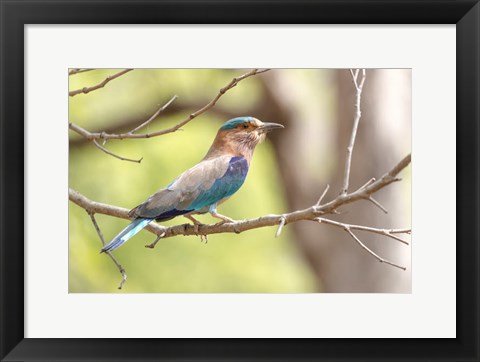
point(245, 126)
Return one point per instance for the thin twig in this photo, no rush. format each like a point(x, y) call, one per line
point(323, 195)
point(99, 232)
point(369, 182)
point(356, 121)
point(377, 204)
point(79, 70)
point(152, 245)
point(401, 231)
point(102, 135)
point(99, 208)
point(353, 76)
point(371, 252)
point(115, 155)
point(385, 232)
point(94, 221)
point(155, 115)
point(102, 84)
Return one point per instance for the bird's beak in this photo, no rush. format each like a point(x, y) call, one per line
point(267, 127)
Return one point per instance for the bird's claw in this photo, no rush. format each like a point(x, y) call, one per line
point(196, 223)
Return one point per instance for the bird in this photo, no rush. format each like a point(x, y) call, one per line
point(200, 189)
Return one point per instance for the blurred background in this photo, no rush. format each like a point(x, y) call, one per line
point(289, 171)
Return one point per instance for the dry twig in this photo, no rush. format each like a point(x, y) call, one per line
point(100, 235)
point(356, 121)
point(359, 242)
point(386, 232)
point(102, 84)
point(105, 209)
point(115, 155)
point(155, 115)
point(323, 195)
point(79, 70)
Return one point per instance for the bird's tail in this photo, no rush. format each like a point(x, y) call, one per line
point(125, 234)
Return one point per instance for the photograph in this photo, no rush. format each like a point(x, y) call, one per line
point(250, 180)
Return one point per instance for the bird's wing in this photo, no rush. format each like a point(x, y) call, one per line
point(202, 185)
point(224, 186)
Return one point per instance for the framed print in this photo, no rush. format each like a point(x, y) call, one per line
point(141, 119)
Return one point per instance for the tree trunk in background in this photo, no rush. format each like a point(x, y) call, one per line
point(312, 154)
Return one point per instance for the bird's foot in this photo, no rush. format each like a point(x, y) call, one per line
point(225, 219)
point(221, 223)
point(196, 226)
point(196, 223)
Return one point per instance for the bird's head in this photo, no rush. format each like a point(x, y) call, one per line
point(240, 135)
point(247, 129)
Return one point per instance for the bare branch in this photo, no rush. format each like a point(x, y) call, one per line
point(353, 76)
point(155, 115)
point(79, 70)
point(102, 84)
point(102, 135)
point(323, 195)
point(113, 154)
point(152, 245)
point(386, 232)
point(371, 252)
point(356, 121)
point(401, 231)
point(130, 122)
point(311, 213)
point(369, 182)
point(364, 193)
point(100, 235)
point(99, 208)
point(83, 132)
point(377, 204)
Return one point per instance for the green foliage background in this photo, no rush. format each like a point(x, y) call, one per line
point(253, 261)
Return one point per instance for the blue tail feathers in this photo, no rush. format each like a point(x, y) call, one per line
point(125, 234)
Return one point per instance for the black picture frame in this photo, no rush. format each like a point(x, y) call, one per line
point(15, 14)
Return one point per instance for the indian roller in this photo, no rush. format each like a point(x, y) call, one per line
point(200, 189)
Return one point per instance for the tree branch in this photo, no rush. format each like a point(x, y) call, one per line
point(359, 242)
point(79, 70)
point(115, 155)
point(356, 121)
point(155, 115)
point(102, 84)
point(152, 117)
point(103, 135)
point(386, 232)
point(100, 235)
point(377, 204)
point(126, 124)
point(105, 209)
point(312, 213)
